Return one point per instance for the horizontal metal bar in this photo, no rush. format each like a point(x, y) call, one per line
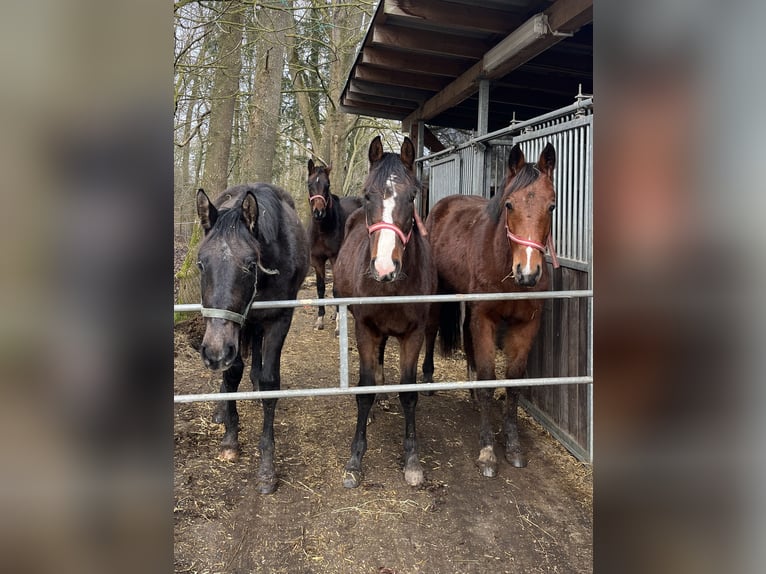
point(554, 129)
point(517, 127)
point(459, 297)
point(331, 391)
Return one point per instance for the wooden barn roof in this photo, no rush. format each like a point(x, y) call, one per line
point(424, 59)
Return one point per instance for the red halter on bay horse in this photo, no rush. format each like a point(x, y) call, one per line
point(492, 246)
point(385, 253)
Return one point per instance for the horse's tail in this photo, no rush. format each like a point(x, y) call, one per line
point(449, 328)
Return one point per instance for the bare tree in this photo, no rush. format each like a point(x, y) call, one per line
point(223, 97)
point(272, 25)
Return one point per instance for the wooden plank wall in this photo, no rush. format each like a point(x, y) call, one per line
point(561, 351)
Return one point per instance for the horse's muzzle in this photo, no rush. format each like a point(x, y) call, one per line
point(529, 279)
point(218, 358)
point(385, 274)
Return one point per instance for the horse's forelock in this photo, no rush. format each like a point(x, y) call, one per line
point(526, 176)
point(390, 164)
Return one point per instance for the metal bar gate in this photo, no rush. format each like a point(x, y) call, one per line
point(344, 389)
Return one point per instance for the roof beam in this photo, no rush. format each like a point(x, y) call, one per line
point(453, 15)
point(420, 63)
point(521, 45)
point(428, 42)
point(400, 78)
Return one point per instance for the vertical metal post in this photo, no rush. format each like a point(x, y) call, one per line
point(589, 243)
point(420, 200)
point(343, 344)
point(482, 126)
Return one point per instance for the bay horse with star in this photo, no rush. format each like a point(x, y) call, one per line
point(385, 253)
point(326, 227)
point(495, 246)
point(254, 249)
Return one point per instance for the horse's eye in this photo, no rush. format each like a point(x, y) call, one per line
point(552, 207)
point(367, 197)
point(509, 206)
point(200, 266)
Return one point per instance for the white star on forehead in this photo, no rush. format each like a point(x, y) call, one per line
point(391, 184)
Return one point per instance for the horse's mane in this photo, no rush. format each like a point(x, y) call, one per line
point(526, 176)
point(389, 164)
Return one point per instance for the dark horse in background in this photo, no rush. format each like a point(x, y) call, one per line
point(254, 249)
point(495, 246)
point(326, 227)
point(385, 253)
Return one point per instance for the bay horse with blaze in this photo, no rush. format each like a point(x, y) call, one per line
point(254, 249)
point(326, 226)
point(495, 246)
point(385, 253)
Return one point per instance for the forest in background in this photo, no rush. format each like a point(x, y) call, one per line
point(256, 94)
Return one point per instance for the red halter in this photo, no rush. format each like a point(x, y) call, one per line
point(535, 245)
point(313, 197)
point(391, 227)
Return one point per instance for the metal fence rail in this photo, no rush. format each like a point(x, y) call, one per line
point(344, 389)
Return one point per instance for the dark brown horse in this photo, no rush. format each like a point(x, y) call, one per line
point(254, 249)
point(492, 246)
point(385, 253)
point(326, 227)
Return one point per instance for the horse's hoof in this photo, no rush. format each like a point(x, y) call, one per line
point(516, 459)
point(268, 486)
point(487, 462)
point(319, 325)
point(352, 478)
point(413, 476)
point(229, 454)
point(487, 470)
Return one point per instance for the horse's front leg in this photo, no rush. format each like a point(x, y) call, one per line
point(409, 349)
point(273, 340)
point(517, 344)
point(319, 270)
point(226, 411)
point(483, 350)
point(368, 345)
point(432, 328)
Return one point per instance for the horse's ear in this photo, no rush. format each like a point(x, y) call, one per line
point(408, 153)
point(328, 169)
point(547, 161)
point(311, 166)
point(516, 160)
point(206, 211)
point(250, 211)
point(376, 150)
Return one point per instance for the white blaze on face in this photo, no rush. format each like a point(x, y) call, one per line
point(527, 269)
point(384, 263)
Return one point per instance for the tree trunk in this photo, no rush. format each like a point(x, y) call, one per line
point(335, 146)
point(223, 98)
point(261, 146)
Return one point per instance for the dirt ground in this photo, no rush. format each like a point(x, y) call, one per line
point(537, 519)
